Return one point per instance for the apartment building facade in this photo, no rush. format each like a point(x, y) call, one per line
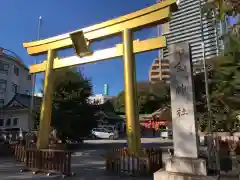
point(191, 25)
point(14, 77)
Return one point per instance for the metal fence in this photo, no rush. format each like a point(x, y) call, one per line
point(224, 155)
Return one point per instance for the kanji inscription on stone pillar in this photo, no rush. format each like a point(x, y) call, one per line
point(182, 101)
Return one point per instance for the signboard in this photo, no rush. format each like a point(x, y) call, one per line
point(182, 102)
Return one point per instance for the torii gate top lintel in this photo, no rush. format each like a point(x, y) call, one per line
point(152, 15)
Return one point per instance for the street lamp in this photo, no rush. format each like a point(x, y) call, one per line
point(208, 100)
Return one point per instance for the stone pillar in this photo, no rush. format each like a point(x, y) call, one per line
point(185, 163)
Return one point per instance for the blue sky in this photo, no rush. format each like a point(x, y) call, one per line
point(19, 21)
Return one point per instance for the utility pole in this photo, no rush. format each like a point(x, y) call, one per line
point(34, 77)
point(213, 145)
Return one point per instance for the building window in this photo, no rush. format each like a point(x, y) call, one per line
point(1, 122)
point(165, 67)
point(165, 28)
point(165, 61)
point(166, 78)
point(8, 123)
point(15, 121)
point(1, 102)
point(155, 79)
point(165, 73)
point(4, 68)
point(14, 88)
point(29, 77)
point(155, 67)
point(16, 70)
point(154, 73)
point(3, 85)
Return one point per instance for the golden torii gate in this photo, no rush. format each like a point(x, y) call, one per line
point(80, 39)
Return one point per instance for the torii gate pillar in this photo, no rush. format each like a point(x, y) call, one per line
point(46, 108)
point(132, 115)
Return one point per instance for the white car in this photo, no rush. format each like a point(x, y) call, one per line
point(103, 133)
point(110, 128)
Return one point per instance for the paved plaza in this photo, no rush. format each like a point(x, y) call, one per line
point(88, 163)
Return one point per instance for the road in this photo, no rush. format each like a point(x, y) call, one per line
point(87, 163)
point(143, 140)
point(146, 142)
point(156, 140)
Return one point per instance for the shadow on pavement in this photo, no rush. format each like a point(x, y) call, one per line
point(163, 145)
point(92, 166)
point(10, 170)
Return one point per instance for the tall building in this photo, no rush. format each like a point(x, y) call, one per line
point(159, 70)
point(99, 99)
point(14, 77)
point(106, 88)
point(189, 24)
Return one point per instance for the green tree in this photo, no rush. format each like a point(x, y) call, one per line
point(221, 8)
point(225, 81)
point(72, 115)
point(150, 97)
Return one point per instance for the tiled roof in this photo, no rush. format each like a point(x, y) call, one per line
point(163, 113)
point(17, 60)
point(110, 115)
point(107, 110)
point(107, 106)
point(24, 101)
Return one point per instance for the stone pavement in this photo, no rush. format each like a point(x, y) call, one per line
point(10, 170)
point(91, 165)
point(88, 164)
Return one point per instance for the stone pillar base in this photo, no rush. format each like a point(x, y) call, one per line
point(164, 175)
point(183, 169)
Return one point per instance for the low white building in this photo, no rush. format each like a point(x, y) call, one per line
point(16, 113)
point(14, 77)
point(99, 99)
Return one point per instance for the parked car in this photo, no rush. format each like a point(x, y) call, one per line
point(103, 133)
point(110, 128)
